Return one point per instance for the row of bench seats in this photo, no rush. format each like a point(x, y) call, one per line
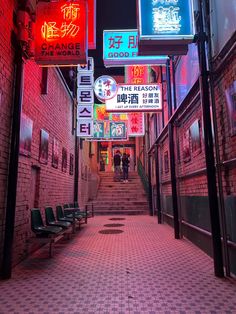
point(57, 227)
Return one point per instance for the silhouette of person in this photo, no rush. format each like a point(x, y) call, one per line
point(125, 166)
point(116, 163)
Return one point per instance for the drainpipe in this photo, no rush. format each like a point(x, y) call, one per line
point(209, 149)
point(76, 178)
point(13, 166)
point(158, 196)
point(172, 155)
point(218, 159)
point(149, 168)
point(162, 93)
point(174, 83)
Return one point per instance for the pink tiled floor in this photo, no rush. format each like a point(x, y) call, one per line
point(142, 270)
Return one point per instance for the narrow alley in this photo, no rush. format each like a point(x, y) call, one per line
point(139, 271)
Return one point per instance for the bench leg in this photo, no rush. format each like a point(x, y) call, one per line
point(50, 249)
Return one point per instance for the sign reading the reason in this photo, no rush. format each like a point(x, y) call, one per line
point(135, 98)
point(61, 33)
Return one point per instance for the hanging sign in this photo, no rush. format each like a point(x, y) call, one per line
point(61, 33)
point(91, 24)
point(135, 98)
point(167, 23)
point(105, 87)
point(109, 130)
point(137, 74)
point(120, 47)
point(136, 124)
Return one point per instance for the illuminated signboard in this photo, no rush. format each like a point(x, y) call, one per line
point(165, 23)
point(120, 47)
point(136, 124)
point(91, 24)
point(61, 33)
point(109, 130)
point(137, 74)
point(135, 98)
point(100, 113)
point(105, 87)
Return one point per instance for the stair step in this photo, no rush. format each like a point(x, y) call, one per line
point(118, 197)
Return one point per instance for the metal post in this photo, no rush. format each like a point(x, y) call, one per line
point(172, 154)
point(76, 178)
point(13, 166)
point(73, 76)
point(209, 150)
point(174, 83)
point(217, 152)
point(149, 168)
point(158, 196)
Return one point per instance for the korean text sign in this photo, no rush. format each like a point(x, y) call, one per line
point(61, 33)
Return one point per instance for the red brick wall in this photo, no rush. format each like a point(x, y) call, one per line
point(6, 87)
point(53, 113)
point(227, 141)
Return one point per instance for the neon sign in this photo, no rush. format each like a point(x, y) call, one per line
point(61, 33)
point(91, 24)
point(166, 19)
point(105, 87)
point(137, 74)
point(120, 47)
point(134, 98)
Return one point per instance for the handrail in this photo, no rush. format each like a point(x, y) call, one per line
point(143, 176)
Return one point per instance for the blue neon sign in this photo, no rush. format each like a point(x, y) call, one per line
point(120, 47)
point(166, 19)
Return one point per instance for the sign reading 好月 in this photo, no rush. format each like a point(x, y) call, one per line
point(120, 47)
point(135, 98)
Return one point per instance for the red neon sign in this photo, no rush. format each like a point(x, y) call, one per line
point(61, 33)
point(91, 24)
point(137, 74)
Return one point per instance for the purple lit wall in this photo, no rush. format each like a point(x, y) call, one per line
point(186, 73)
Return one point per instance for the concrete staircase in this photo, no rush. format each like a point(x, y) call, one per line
point(116, 198)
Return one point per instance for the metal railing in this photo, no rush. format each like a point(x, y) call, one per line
point(143, 176)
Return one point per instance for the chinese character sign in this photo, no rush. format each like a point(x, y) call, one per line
point(137, 74)
point(117, 130)
point(61, 33)
point(105, 87)
point(131, 98)
point(136, 124)
point(165, 19)
point(120, 47)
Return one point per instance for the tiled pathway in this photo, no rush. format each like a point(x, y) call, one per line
point(142, 270)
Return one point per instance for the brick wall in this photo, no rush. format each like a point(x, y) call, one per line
point(6, 89)
point(39, 184)
point(51, 186)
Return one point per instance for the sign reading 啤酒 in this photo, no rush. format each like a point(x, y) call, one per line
point(135, 98)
